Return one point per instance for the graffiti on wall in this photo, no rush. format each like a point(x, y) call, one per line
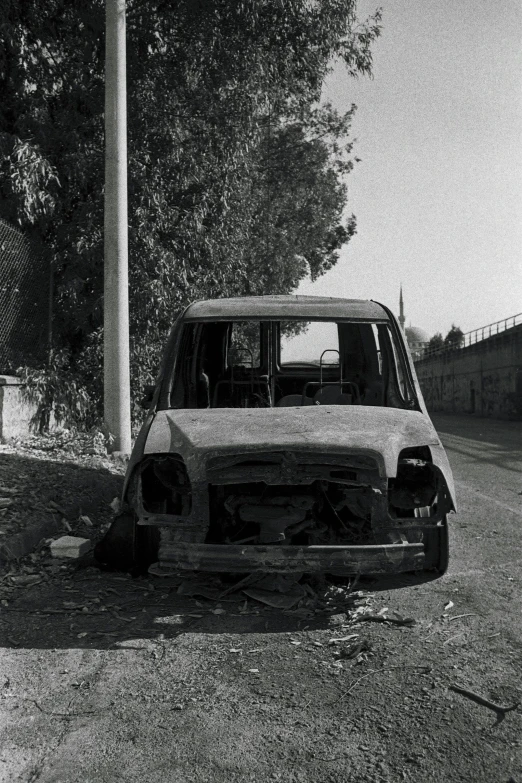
point(483, 379)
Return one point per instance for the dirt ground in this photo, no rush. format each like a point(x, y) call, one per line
point(105, 677)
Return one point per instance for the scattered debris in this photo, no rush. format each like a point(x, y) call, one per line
point(342, 639)
point(449, 605)
point(191, 588)
point(276, 600)
point(354, 584)
point(279, 583)
point(460, 616)
point(276, 590)
point(451, 638)
point(70, 546)
point(501, 711)
point(247, 580)
point(424, 669)
point(14, 491)
point(86, 520)
point(338, 619)
point(380, 618)
point(55, 507)
point(71, 715)
point(356, 650)
point(26, 579)
point(115, 504)
point(120, 617)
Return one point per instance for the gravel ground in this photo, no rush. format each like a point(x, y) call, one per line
point(109, 678)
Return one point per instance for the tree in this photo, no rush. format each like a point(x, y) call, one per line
point(235, 169)
point(454, 338)
point(435, 343)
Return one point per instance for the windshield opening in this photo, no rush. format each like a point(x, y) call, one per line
point(292, 363)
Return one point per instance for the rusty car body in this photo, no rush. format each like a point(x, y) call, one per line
point(288, 434)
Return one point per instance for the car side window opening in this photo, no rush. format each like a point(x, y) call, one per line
point(260, 364)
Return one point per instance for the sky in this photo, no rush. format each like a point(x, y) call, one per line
point(438, 192)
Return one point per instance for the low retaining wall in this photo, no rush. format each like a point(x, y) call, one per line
point(484, 378)
point(15, 412)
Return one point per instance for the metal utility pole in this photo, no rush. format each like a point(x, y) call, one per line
point(116, 288)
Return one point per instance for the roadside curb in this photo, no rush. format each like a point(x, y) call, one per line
point(20, 544)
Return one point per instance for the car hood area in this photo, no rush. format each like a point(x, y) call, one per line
point(381, 432)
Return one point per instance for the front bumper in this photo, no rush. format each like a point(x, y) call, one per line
point(338, 560)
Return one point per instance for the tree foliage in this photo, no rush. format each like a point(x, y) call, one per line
point(454, 338)
point(235, 167)
point(435, 343)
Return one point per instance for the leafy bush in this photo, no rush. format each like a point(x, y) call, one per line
point(60, 395)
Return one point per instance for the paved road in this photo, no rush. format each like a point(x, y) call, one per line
point(160, 689)
point(486, 458)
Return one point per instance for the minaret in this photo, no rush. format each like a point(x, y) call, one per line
point(402, 317)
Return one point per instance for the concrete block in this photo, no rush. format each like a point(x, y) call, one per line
point(16, 412)
point(70, 546)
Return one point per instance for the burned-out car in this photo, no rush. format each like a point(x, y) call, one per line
point(288, 434)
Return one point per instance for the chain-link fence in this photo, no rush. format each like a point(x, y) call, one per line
point(24, 300)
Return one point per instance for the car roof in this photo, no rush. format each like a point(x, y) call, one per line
point(286, 307)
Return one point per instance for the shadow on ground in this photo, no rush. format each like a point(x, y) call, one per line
point(38, 493)
point(46, 604)
point(89, 609)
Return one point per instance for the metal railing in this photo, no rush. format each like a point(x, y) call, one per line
point(470, 338)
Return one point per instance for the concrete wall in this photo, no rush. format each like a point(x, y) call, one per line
point(484, 378)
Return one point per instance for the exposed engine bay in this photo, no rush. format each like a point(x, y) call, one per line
point(294, 500)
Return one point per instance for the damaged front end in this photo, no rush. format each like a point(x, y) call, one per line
point(291, 511)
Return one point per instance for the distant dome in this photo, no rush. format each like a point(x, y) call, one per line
point(416, 335)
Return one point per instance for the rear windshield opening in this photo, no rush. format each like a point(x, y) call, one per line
point(294, 363)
